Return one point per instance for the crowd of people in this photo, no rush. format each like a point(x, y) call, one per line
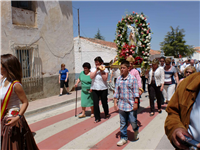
point(177, 85)
point(163, 76)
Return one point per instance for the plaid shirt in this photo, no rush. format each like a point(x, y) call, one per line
point(126, 90)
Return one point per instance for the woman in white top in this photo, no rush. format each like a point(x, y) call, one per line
point(155, 85)
point(99, 88)
point(15, 132)
point(171, 78)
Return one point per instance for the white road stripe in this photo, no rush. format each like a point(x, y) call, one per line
point(150, 136)
point(59, 126)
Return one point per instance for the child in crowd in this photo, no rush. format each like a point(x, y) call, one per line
point(127, 92)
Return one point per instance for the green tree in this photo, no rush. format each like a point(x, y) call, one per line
point(99, 36)
point(174, 44)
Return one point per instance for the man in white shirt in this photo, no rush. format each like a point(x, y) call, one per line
point(186, 64)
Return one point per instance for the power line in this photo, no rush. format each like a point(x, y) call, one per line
point(74, 7)
point(83, 33)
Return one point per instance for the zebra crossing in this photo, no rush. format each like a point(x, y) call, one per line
point(60, 129)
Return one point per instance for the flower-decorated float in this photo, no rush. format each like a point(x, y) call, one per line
point(133, 41)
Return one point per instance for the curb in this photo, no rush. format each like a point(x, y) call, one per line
point(46, 108)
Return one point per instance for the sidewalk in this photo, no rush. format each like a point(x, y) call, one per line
point(41, 105)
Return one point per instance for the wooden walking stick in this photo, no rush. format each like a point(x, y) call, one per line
point(76, 102)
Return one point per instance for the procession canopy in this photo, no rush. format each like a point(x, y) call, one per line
point(133, 36)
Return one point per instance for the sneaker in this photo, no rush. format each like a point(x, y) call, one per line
point(121, 142)
point(60, 94)
point(136, 135)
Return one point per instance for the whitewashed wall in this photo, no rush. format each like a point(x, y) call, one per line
point(196, 56)
point(86, 51)
point(52, 32)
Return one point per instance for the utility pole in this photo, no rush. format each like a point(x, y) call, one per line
point(78, 24)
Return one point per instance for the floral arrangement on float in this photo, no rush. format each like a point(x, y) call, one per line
point(137, 43)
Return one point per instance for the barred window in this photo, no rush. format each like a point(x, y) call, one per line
point(22, 4)
point(25, 58)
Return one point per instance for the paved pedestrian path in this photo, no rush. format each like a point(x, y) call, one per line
point(53, 102)
point(58, 128)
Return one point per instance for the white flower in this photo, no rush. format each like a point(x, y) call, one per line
point(147, 54)
point(142, 18)
point(145, 29)
point(137, 15)
point(145, 57)
point(143, 25)
point(145, 20)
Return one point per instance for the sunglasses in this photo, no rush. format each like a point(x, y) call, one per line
point(162, 61)
point(189, 72)
point(167, 64)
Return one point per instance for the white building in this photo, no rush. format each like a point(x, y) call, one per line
point(87, 49)
point(196, 55)
point(40, 35)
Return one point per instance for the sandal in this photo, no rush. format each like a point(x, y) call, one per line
point(82, 116)
point(96, 121)
point(107, 117)
point(92, 115)
point(152, 113)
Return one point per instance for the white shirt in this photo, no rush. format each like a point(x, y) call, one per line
point(158, 75)
point(182, 68)
point(97, 82)
point(194, 129)
point(116, 72)
point(14, 101)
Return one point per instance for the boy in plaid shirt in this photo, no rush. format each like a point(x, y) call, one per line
point(126, 91)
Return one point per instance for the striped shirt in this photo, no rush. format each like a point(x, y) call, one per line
point(126, 90)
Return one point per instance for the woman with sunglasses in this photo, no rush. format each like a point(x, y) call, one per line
point(188, 71)
point(170, 76)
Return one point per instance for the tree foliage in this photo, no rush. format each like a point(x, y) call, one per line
point(99, 36)
point(174, 44)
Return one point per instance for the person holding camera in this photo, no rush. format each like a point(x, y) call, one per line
point(99, 76)
point(183, 113)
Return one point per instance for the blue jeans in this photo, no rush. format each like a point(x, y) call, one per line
point(130, 116)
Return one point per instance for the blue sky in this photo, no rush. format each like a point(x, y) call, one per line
point(104, 16)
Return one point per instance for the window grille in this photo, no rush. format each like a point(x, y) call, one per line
point(24, 57)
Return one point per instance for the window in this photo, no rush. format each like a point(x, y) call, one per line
point(22, 4)
point(24, 57)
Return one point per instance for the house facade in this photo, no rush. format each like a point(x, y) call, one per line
point(87, 49)
point(196, 55)
point(40, 35)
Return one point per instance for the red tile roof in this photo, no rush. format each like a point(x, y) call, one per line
point(197, 49)
point(112, 44)
point(102, 42)
point(154, 52)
